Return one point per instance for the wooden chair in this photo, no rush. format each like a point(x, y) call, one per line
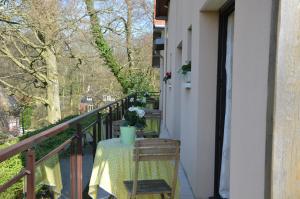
point(154, 150)
point(156, 115)
point(116, 128)
point(154, 102)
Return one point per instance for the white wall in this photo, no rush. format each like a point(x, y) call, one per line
point(196, 130)
point(197, 109)
point(249, 98)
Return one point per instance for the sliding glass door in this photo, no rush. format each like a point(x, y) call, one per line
point(224, 99)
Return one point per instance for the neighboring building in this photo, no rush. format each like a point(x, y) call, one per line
point(239, 132)
point(108, 98)
point(86, 104)
point(9, 115)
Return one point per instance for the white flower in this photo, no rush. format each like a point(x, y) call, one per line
point(131, 99)
point(141, 113)
point(131, 109)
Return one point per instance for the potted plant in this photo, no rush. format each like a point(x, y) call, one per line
point(186, 71)
point(134, 118)
point(167, 76)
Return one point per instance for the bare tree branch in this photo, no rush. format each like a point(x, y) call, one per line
point(41, 77)
point(15, 90)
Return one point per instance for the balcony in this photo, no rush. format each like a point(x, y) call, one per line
point(65, 170)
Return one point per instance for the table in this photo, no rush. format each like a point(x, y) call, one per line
point(114, 163)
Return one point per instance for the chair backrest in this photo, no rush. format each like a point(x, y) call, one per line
point(153, 113)
point(116, 127)
point(155, 150)
point(153, 101)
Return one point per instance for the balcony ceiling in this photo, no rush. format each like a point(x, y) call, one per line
point(161, 9)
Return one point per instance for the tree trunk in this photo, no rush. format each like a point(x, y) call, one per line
point(53, 107)
point(104, 49)
point(128, 30)
point(71, 100)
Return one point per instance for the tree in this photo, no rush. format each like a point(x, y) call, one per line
point(29, 32)
point(119, 21)
point(104, 48)
point(128, 32)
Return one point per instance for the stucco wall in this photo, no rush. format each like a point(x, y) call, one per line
point(197, 106)
point(286, 147)
point(250, 89)
point(183, 106)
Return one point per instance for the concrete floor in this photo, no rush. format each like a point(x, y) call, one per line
point(185, 188)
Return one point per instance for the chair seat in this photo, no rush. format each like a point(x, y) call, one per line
point(149, 186)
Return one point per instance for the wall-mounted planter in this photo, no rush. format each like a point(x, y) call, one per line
point(187, 85)
point(169, 84)
point(187, 79)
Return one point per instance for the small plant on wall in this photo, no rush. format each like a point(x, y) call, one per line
point(184, 69)
point(167, 76)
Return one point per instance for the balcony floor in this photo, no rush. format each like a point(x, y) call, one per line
point(185, 188)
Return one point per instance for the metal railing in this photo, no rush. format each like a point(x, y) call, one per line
point(103, 115)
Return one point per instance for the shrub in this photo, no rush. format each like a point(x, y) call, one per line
point(9, 169)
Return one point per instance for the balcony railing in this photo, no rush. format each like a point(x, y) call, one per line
point(101, 127)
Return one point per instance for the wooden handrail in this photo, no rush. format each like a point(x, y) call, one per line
point(55, 151)
point(15, 179)
point(36, 139)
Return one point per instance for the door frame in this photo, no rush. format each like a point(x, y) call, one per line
point(225, 11)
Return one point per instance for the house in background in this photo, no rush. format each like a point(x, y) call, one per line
point(108, 98)
point(9, 114)
point(86, 104)
point(238, 118)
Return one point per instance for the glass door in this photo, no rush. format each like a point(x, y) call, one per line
point(224, 94)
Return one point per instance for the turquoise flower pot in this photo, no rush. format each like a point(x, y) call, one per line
point(128, 134)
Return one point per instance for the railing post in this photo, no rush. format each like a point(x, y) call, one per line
point(99, 119)
point(110, 122)
point(79, 161)
point(118, 111)
point(73, 168)
point(106, 127)
point(122, 108)
point(30, 179)
point(94, 139)
point(128, 101)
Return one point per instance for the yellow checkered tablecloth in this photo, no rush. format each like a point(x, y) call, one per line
point(114, 163)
